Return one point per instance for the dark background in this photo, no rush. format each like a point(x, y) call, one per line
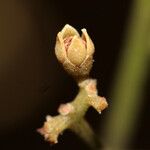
point(33, 84)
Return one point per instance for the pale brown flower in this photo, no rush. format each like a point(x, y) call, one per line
point(73, 51)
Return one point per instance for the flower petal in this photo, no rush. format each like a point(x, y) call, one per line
point(89, 43)
point(60, 48)
point(77, 51)
point(69, 31)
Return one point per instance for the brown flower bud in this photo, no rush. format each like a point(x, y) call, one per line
point(74, 52)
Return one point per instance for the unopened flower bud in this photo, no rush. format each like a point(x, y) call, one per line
point(75, 52)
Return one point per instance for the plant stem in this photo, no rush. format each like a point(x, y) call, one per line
point(83, 129)
point(71, 115)
point(130, 79)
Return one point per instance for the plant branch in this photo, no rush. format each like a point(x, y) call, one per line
point(71, 115)
point(83, 129)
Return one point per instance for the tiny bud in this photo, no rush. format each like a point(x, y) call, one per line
point(65, 109)
point(90, 86)
point(48, 118)
point(103, 102)
point(75, 53)
point(99, 103)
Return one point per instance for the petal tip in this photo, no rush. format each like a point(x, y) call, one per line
point(83, 30)
point(69, 30)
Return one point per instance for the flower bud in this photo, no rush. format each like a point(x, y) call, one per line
point(75, 53)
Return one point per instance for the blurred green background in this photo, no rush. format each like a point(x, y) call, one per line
point(33, 84)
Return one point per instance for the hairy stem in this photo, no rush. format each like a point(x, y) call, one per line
point(85, 132)
point(71, 115)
